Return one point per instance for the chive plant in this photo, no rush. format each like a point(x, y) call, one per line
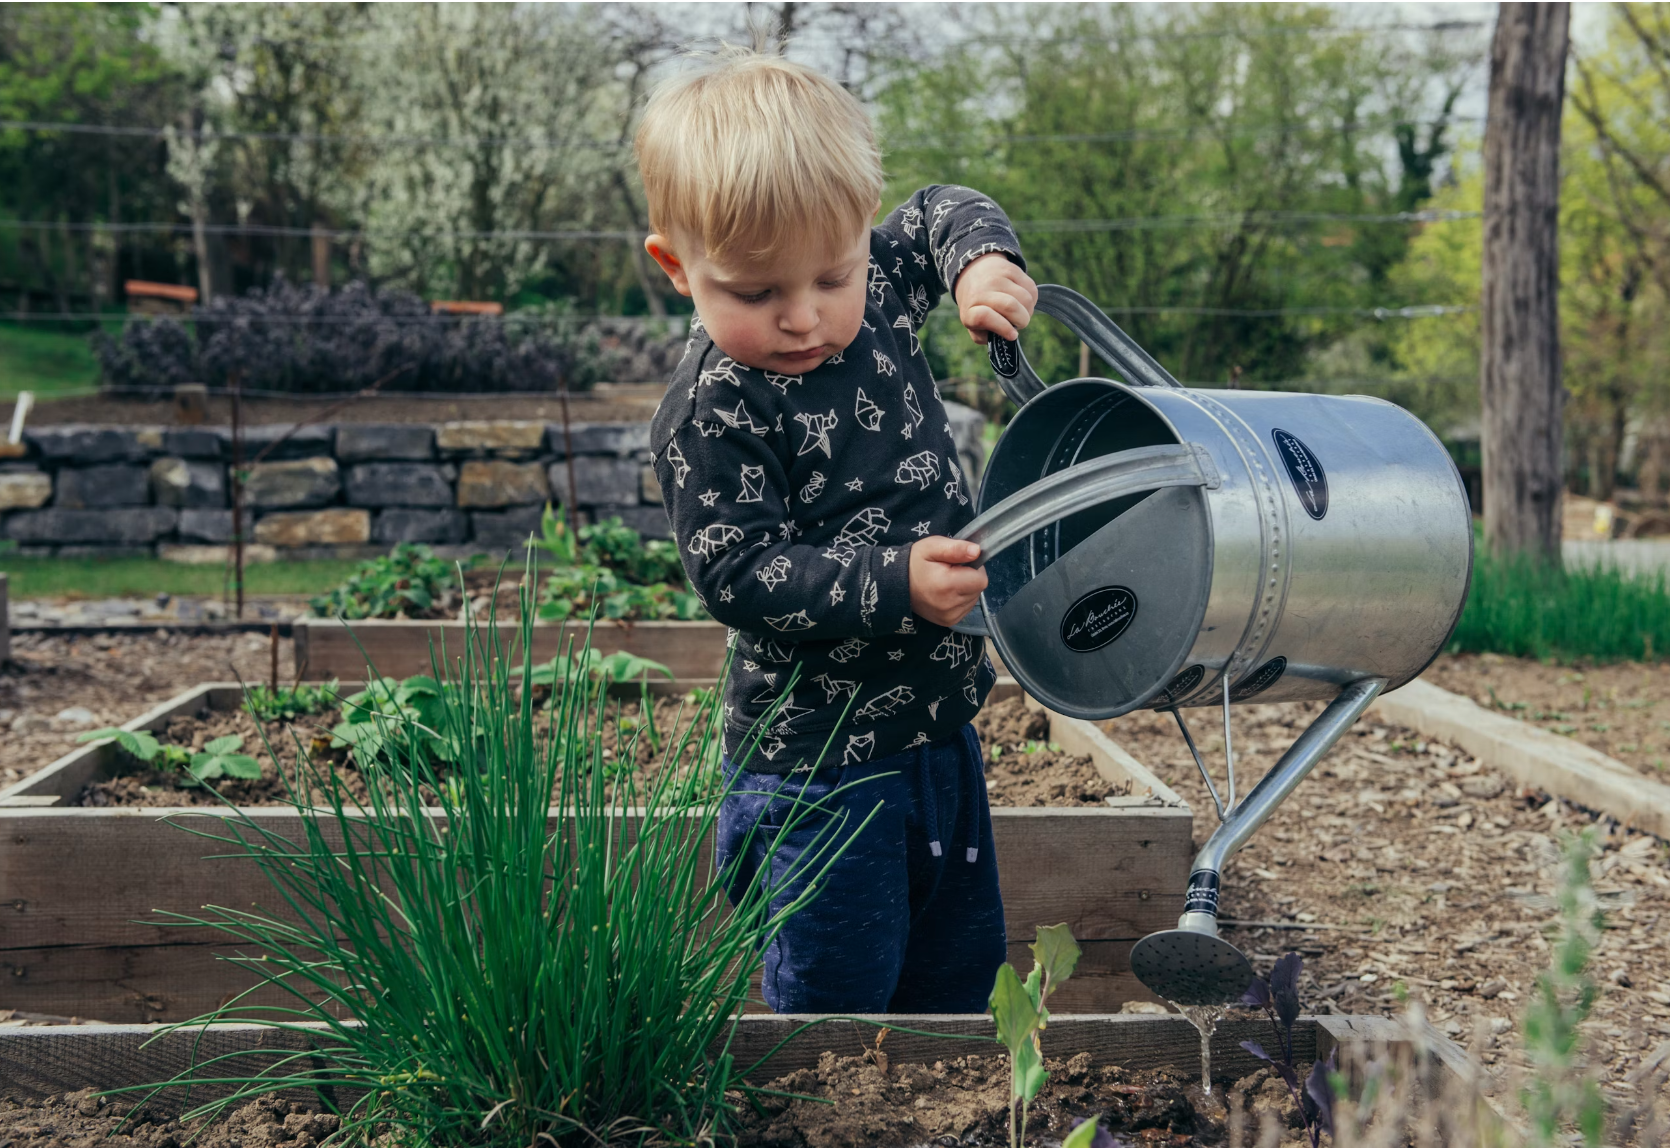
point(518, 948)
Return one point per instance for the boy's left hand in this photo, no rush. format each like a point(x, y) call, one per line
point(995, 295)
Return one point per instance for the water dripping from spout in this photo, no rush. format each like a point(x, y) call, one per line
point(1205, 1018)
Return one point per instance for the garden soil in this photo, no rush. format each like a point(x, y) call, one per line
point(83, 1118)
point(1018, 777)
point(1403, 870)
point(1622, 709)
point(863, 1101)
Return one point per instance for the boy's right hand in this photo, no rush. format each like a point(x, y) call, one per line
point(943, 589)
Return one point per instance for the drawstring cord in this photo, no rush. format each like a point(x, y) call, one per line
point(930, 797)
point(974, 799)
point(974, 802)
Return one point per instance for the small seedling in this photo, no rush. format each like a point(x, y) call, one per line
point(1279, 998)
point(1018, 1008)
point(220, 758)
point(1088, 1133)
point(136, 742)
point(267, 704)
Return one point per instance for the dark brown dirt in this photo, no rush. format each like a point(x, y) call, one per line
point(116, 677)
point(84, 1119)
point(1623, 710)
point(620, 402)
point(1401, 866)
point(142, 786)
point(859, 1102)
point(1022, 768)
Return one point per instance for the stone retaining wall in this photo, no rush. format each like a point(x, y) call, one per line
point(332, 491)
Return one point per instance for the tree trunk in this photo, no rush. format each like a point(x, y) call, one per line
point(1519, 372)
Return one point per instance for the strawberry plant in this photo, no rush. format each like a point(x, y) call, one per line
point(409, 582)
point(136, 742)
point(220, 758)
point(286, 704)
point(389, 719)
point(1018, 1008)
point(613, 570)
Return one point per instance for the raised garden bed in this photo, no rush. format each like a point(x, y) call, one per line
point(1141, 1072)
point(328, 648)
point(79, 882)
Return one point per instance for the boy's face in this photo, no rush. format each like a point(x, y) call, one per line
point(788, 314)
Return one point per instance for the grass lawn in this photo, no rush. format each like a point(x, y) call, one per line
point(50, 363)
point(146, 577)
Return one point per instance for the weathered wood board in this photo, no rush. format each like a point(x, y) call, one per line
point(328, 648)
point(39, 1062)
point(1531, 755)
point(78, 934)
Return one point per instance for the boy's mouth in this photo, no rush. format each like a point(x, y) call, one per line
point(802, 358)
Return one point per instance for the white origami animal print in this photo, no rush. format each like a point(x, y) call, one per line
point(885, 704)
point(724, 371)
point(753, 477)
point(848, 650)
point(741, 419)
point(813, 488)
point(791, 622)
point(711, 540)
point(878, 283)
point(835, 687)
point(774, 573)
point(914, 409)
point(867, 413)
point(954, 488)
point(910, 221)
point(817, 433)
point(953, 648)
point(884, 365)
point(863, 529)
point(782, 382)
point(681, 469)
point(859, 748)
point(921, 469)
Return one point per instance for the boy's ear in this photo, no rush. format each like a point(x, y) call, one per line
point(660, 249)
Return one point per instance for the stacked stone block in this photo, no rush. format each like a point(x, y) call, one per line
point(346, 490)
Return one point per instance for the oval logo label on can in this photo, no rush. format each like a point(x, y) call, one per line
point(1098, 618)
point(1181, 686)
point(1310, 481)
point(1259, 680)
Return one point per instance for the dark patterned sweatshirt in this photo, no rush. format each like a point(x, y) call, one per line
point(795, 500)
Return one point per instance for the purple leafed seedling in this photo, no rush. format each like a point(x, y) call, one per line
point(1279, 998)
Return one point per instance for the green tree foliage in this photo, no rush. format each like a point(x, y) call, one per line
point(78, 64)
point(1223, 119)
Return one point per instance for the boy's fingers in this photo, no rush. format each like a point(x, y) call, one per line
point(983, 317)
point(939, 548)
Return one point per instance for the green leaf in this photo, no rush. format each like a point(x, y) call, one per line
point(1056, 953)
point(1028, 1073)
point(137, 743)
point(1013, 1010)
point(224, 745)
point(205, 766)
point(1082, 1136)
point(241, 765)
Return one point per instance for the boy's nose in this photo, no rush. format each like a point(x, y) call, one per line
point(798, 318)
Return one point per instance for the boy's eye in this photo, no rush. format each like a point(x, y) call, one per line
point(756, 297)
point(833, 284)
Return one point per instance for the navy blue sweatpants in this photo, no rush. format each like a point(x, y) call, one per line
point(910, 918)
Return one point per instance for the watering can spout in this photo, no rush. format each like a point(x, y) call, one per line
point(1191, 964)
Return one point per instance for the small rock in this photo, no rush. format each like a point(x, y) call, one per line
point(30, 723)
point(1620, 977)
point(1483, 786)
point(1146, 1008)
point(78, 715)
point(1499, 1025)
point(1492, 988)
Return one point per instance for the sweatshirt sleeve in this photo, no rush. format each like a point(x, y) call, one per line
point(727, 493)
point(927, 241)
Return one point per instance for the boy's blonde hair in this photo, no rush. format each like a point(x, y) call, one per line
point(753, 154)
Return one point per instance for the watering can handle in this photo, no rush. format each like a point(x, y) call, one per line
point(1088, 484)
point(1079, 487)
point(1101, 334)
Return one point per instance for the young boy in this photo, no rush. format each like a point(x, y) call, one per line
point(812, 482)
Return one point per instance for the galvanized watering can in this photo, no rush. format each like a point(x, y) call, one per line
point(1154, 546)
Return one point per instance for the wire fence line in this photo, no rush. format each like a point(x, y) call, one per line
point(1417, 311)
point(1040, 226)
point(557, 143)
